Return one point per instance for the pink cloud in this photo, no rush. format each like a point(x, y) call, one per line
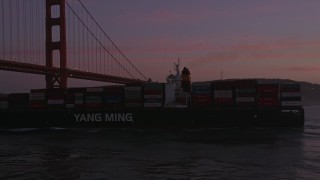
point(262, 51)
point(303, 68)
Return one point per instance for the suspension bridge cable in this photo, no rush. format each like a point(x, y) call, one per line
point(10, 27)
point(111, 40)
point(25, 31)
point(37, 33)
point(97, 38)
point(83, 42)
point(79, 47)
point(32, 30)
point(18, 30)
point(3, 32)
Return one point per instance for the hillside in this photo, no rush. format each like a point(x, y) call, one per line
point(310, 94)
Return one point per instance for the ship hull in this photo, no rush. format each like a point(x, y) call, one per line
point(155, 118)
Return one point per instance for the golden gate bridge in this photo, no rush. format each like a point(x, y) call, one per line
point(60, 39)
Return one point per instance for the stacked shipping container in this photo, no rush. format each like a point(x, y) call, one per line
point(133, 96)
point(93, 98)
point(268, 95)
point(223, 93)
point(75, 99)
point(201, 94)
point(113, 97)
point(55, 99)
point(290, 95)
point(38, 99)
point(153, 95)
point(246, 93)
point(220, 94)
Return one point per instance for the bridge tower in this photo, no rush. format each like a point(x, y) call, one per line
point(58, 80)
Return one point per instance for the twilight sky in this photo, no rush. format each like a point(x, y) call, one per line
point(242, 38)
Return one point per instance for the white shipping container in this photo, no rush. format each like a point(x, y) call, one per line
point(56, 101)
point(245, 99)
point(222, 94)
point(291, 103)
point(290, 94)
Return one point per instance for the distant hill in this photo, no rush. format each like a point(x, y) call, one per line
point(310, 94)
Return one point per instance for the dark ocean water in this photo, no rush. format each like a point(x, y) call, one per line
point(229, 153)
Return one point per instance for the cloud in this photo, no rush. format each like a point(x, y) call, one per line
point(286, 49)
point(303, 68)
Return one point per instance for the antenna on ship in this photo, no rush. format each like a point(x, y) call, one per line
point(221, 75)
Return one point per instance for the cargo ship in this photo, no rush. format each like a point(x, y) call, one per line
point(177, 103)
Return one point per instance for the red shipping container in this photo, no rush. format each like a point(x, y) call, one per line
point(268, 102)
point(223, 102)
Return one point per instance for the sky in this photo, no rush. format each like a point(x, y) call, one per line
point(241, 38)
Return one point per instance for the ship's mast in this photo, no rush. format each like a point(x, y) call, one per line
point(175, 79)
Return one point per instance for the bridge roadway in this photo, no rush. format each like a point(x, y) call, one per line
point(43, 70)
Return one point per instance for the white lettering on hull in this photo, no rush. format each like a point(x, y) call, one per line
point(108, 117)
point(88, 117)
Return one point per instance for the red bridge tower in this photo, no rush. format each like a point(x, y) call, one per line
point(58, 80)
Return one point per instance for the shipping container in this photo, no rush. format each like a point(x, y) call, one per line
point(113, 96)
point(56, 99)
point(38, 100)
point(201, 88)
point(75, 99)
point(133, 95)
point(153, 95)
point(201, 94)
point(223, 93)
point(290, 95)
point(203, 100)
point(268, 95)
point(94, 98)
point(246, 93)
